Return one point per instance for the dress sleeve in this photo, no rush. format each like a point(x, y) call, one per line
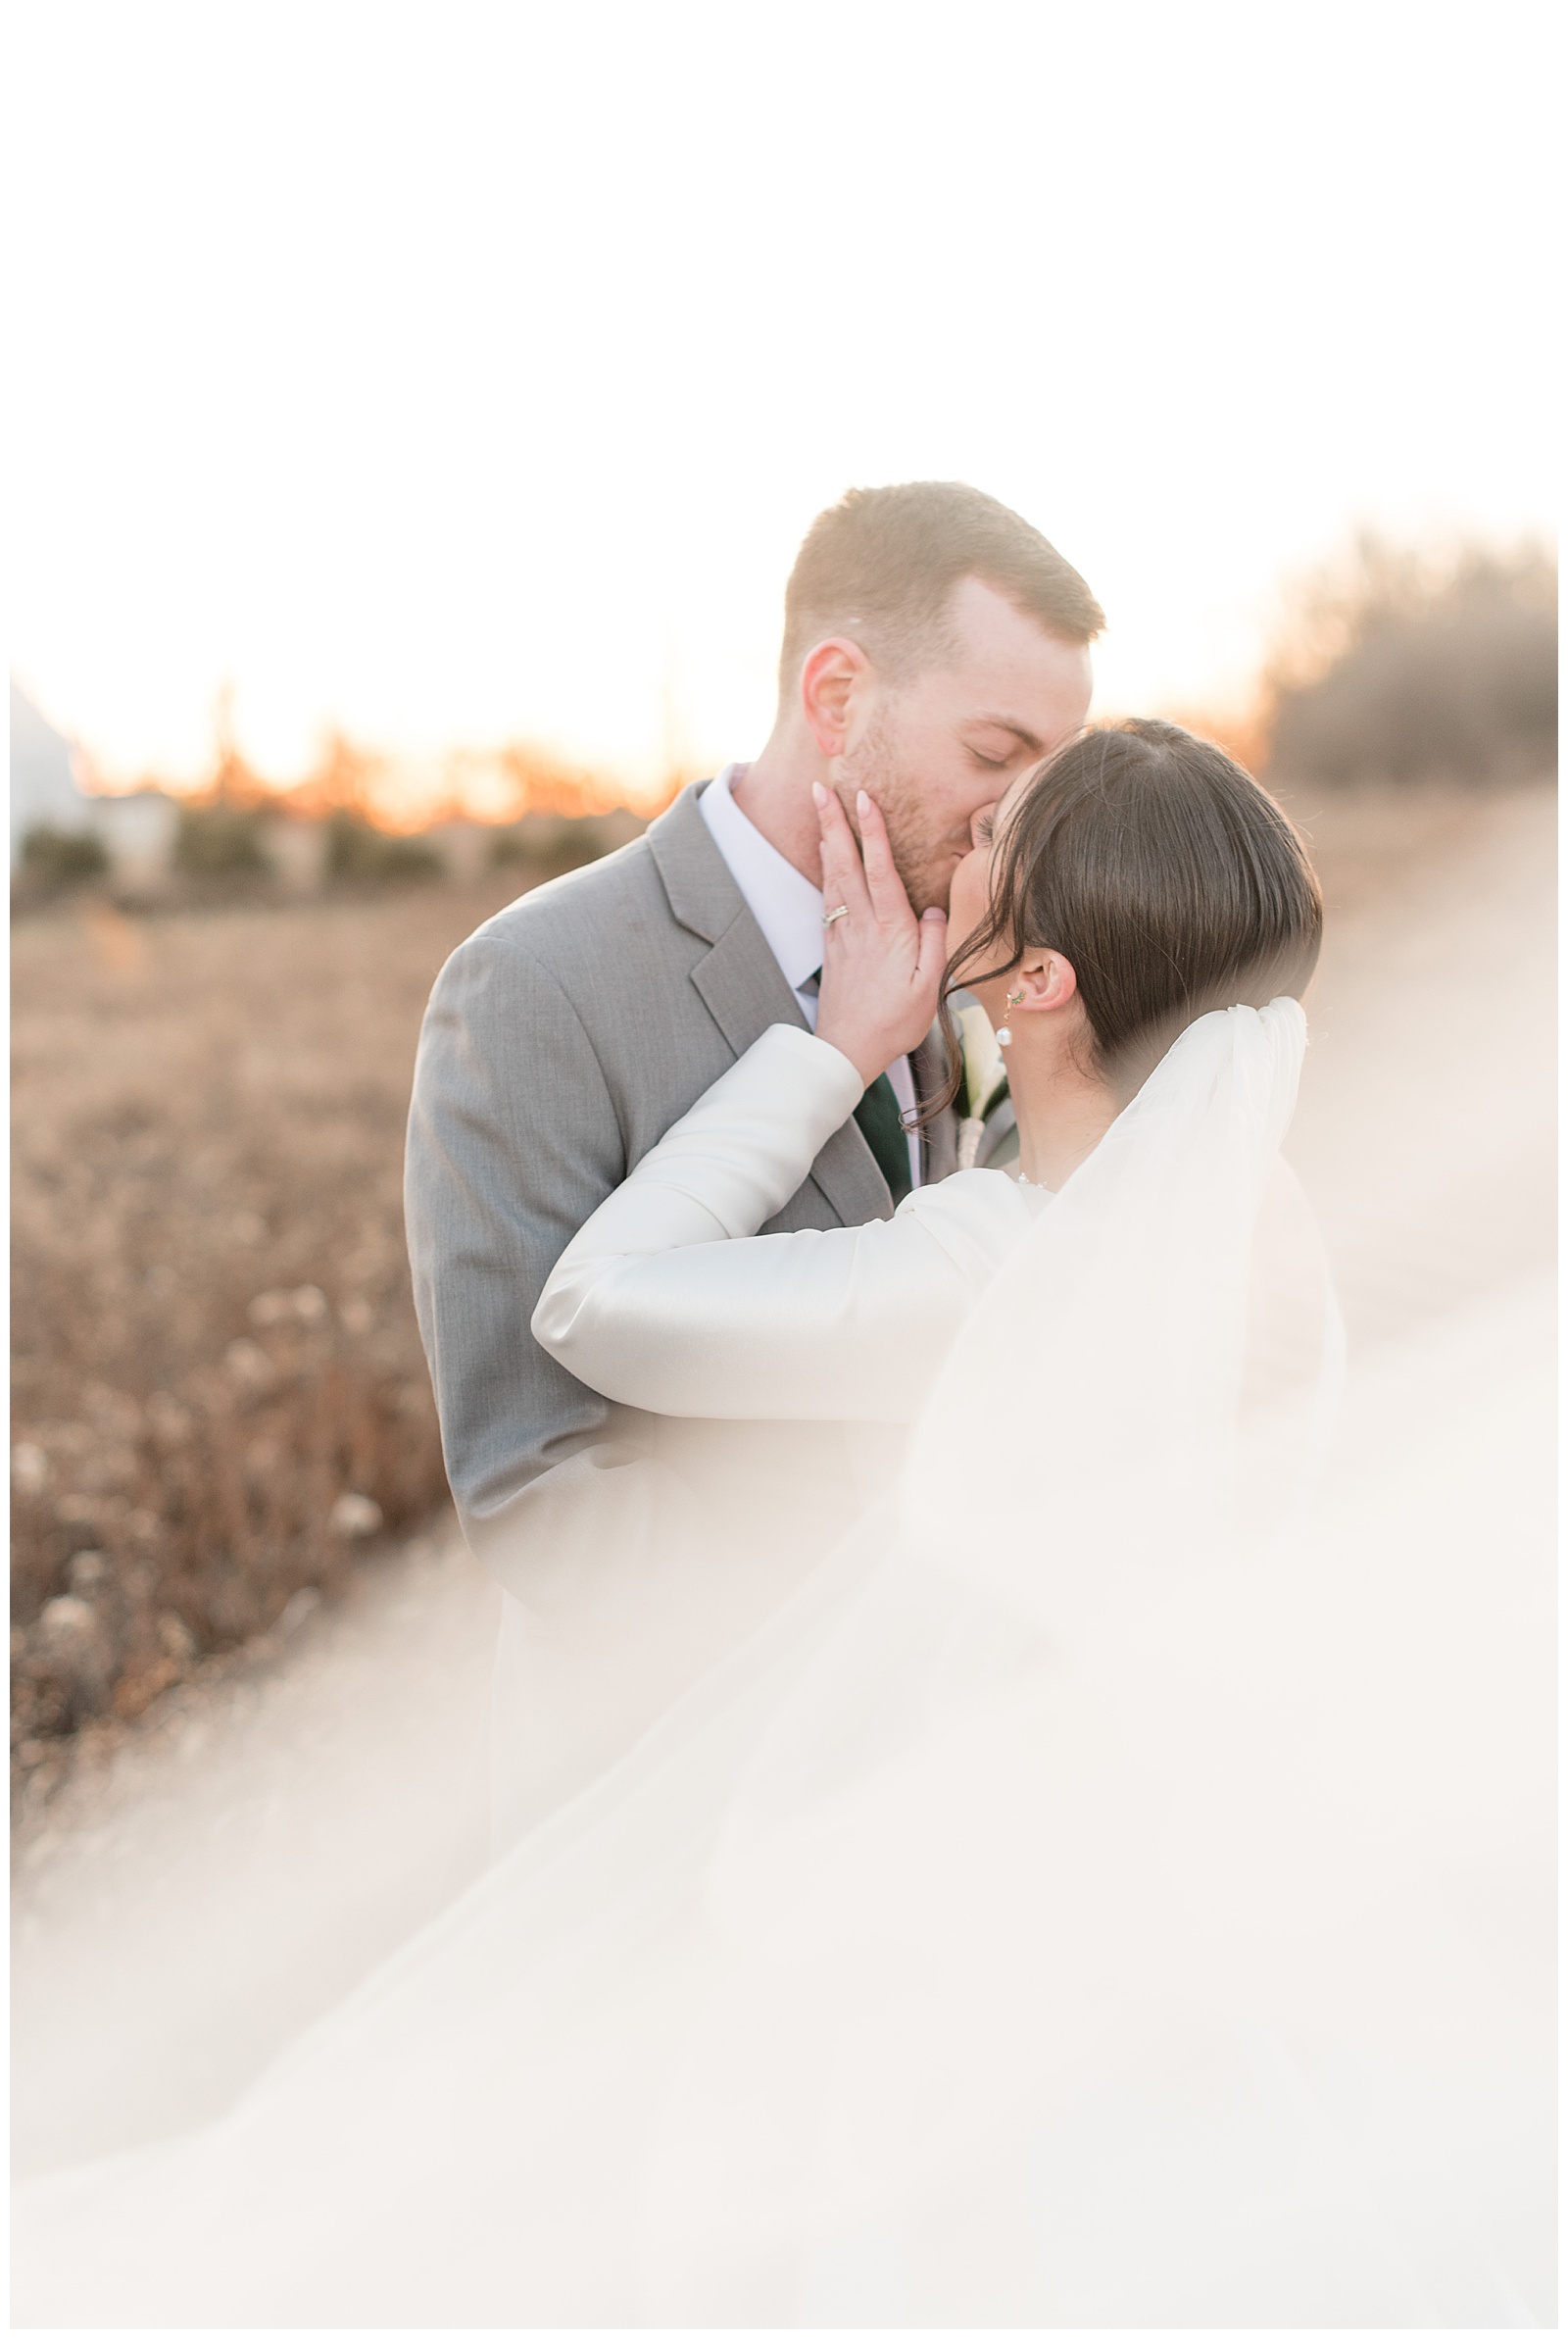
point(669, 1300)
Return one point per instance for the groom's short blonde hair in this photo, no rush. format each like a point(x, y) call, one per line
point(883, 567)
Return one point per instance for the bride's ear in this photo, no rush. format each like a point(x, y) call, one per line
point(1044, 980)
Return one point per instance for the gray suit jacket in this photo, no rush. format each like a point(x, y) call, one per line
point(561, 1040)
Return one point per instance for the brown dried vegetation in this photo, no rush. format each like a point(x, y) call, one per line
point(219, 1388)
point(1397, 667)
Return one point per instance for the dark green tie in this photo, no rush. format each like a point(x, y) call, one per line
point(881, 1124)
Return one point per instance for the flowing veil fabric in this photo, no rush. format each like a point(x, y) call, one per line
point(1048, 1918)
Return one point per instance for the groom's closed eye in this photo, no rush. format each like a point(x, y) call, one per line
point(997, 742)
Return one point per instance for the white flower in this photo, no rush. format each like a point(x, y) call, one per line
point(985, 1069)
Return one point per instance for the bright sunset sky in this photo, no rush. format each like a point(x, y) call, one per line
point(456, 372)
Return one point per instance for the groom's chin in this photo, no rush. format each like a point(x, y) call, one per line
point(928, 882)
point(935, 892)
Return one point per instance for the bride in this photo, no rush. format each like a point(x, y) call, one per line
point(1139, 881)
point(975, 1944)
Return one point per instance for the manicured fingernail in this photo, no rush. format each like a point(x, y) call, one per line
point(819, 793)
point(863, 802)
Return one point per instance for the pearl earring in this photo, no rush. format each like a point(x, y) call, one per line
point(1003, 1034)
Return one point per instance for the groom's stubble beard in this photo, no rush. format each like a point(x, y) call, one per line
point(921, 854)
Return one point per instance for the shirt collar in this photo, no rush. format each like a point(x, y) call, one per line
point(785, 905)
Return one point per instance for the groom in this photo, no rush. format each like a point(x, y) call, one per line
point(935, 645)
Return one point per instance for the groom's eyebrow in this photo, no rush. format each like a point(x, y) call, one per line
point(1019, 731)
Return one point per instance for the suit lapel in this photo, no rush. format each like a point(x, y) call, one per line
point(740, 983)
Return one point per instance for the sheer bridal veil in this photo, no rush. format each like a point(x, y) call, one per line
point(1049, 1918)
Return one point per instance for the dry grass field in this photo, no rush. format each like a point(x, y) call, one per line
point(220, 1398)
point(218, 1392)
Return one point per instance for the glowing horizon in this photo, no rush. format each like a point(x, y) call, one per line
point(452, 379)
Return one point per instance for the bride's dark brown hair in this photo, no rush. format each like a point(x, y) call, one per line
point(1164, 874)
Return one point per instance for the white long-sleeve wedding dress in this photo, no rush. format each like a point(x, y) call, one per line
point(1048, 1918)
point(653, 1304)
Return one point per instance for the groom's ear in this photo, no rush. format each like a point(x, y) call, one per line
point(828, 681)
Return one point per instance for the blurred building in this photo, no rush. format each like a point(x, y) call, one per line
point(44, 790)
point(297, 851)
point(138, 834)
point(136, 831)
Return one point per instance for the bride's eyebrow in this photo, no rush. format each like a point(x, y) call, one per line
point(1009, 723)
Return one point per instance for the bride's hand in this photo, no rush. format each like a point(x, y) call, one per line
point(881, 966)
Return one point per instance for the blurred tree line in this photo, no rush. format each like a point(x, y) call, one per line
point(1395, 666)
point(225, 841)
point(1392, 666)
point(53, 860)
point(240, 839)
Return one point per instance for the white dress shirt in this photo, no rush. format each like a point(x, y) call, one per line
point(789, 910)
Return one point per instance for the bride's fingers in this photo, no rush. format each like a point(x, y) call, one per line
point(931, 965)
point(890, 902)
point(843, 877)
